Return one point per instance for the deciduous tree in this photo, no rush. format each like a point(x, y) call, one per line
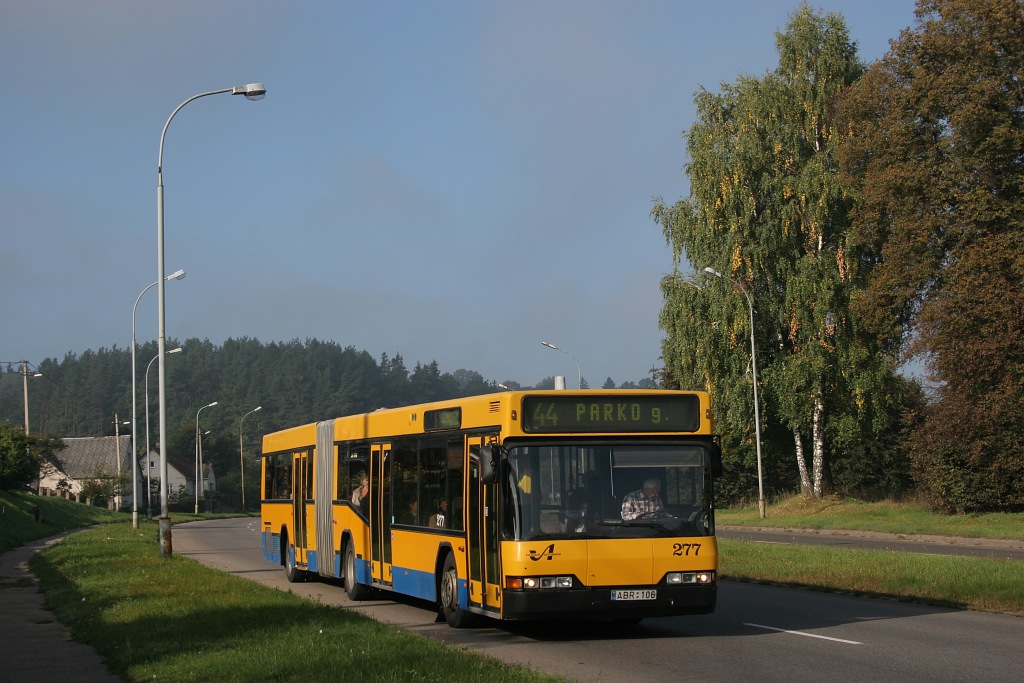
point(938, 152)
point(768, 210)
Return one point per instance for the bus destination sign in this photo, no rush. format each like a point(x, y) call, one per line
point(444, 418)
point(611, 413)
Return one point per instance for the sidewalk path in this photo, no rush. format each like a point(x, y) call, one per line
point(37, 647)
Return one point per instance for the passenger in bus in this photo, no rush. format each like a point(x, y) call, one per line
point(284, 489)
point(647, 499)
point(409, 516)
point(439, 520)
point(359, 495)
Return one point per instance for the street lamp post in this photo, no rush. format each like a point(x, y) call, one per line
point(199, 457)
point(579, 372)
point(117, 446)
point(176, 275)
point(757, 405)
point(241, 452)
point(24, 378)
point(149, 486)
point(252, 91)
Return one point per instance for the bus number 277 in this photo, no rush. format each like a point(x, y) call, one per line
point(685, 548)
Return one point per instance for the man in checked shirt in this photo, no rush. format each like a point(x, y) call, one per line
point(647, 499)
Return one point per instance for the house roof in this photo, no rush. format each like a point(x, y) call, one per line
point(94, 456)
point(184, 464)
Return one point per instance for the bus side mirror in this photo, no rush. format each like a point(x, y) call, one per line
point(716, 460)
point(488, 464)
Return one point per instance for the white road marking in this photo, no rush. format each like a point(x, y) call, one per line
point(801, 633)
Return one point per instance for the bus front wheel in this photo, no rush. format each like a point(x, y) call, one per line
point(453, 613)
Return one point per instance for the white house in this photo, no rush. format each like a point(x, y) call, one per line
point(91, 458)
point(107, 459)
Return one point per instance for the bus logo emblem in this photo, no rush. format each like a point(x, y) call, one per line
point(546, 554)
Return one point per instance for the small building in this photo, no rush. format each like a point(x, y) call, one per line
point(181, 473)
point(177, 468)
point(101, 464)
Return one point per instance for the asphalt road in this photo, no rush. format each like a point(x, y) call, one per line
point(761, 633)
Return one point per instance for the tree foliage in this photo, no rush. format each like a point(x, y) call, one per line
point(768, 210)
point(937, 150)
point(21, 456)
point(17, 465)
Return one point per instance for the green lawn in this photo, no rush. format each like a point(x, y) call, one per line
point(173, 619)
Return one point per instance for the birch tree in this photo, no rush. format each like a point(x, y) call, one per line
point(767, 210)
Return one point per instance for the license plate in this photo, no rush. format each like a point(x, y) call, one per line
point(646, 594)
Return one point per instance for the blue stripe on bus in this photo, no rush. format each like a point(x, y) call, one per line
point(418, 584)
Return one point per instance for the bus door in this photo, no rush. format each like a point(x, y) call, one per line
point(482, 516)
point(300, 485)
point(380, 513)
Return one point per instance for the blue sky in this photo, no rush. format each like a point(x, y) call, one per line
point(451, 181)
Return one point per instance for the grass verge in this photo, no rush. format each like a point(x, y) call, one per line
point(172, 619)
point(989, 585)
point(25, 517)
point(884, 516)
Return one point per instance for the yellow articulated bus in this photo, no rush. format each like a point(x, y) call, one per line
point(515, 505)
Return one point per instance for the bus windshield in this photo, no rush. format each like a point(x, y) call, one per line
point(605, 490)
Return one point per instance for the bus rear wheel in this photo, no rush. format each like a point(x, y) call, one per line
point(354, 589)
point(450, 609)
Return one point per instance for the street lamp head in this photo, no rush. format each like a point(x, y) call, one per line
point(252, 91)
point(711, 271)
point(549, 345)
point(176, 275)
point(175, 350)
point(210, 405)
point(257, 408)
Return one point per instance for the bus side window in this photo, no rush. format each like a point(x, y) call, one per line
point(341, 467)
point(353, 477)
point(284, 476)
point(267, 477)
point(453, 481)
point(405, 477)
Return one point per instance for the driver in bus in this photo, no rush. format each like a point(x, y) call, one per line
point(644, 501)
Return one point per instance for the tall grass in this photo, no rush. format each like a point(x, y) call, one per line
point(172, 619)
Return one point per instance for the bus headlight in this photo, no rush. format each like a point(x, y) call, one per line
point(538, 582)
point(676, 578)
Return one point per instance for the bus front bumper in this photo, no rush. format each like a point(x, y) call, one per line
point(597, 603)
